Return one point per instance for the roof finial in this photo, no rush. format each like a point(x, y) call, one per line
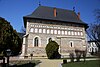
point(73, 8)
point(39, 3)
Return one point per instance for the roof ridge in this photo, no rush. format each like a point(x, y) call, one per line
point(56, 8)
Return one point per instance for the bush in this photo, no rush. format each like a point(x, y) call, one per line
point(64, 61)
point(52, 50)
point(72, 57)
point(78, 55)
point(84, 55)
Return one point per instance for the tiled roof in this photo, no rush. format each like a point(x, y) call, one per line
point(44, 12)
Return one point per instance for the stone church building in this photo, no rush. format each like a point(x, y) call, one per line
point(50, 23)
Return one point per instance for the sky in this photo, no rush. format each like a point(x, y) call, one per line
point(14, 10)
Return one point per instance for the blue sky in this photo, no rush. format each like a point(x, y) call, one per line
point(14, 10)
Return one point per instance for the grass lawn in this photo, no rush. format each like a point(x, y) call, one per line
point(92, 63)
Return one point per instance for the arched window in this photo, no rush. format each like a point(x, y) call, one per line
point(36, 40)
point(71, 44)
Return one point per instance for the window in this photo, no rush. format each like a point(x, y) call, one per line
point(40, 30)
point(48, 31)
point(58, 31)
point(68, 32)
point(65, 32)
point(55, 31)
point(36, 42)
point(81, 33)
point(36, 30)
point(62, 32)
point(44, 31)
point(90, 49)
point(71, 44)
point(31, 30)
point(72, 33)
point(78, 33)
point(75, 33)
point(51, 31)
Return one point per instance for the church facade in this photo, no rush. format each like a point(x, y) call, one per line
point(50, 23)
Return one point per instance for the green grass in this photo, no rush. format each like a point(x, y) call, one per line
point(93, 63)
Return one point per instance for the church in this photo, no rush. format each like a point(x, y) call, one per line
point(51, 23)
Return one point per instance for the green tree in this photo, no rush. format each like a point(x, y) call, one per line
point(52, 50)
point(9, 39)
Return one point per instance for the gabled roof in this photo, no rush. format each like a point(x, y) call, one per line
point(47, 13)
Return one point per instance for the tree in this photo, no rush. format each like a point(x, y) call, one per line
point(52, 50)
point(78, 55)
point(9, 39)
point(94, 29)
point(97, 14)
point(71, 57)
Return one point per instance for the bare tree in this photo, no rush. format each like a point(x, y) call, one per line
point(97, 14)
point(94, 29)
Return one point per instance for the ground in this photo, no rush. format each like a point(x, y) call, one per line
point(53, 63)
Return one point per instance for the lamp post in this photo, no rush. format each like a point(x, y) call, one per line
point(8, 53)
point(31, 56)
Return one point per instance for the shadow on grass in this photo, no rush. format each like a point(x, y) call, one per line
point(21, 65)
point(24, 65)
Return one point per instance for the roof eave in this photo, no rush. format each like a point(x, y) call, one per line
point(25, 21)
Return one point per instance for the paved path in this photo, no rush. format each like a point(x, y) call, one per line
point(50, 63)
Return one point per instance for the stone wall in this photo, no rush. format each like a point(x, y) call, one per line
point(69, 37)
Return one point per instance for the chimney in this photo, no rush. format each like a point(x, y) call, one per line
point(55, 12)
point(78, 15)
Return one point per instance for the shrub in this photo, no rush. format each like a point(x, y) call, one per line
point(84, 55)
point(72, 57)
point(64, 61)
point(78, 55)
point(52, 50)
